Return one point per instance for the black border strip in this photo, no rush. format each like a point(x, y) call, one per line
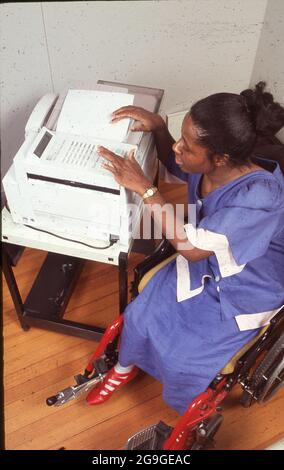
point(73, 184)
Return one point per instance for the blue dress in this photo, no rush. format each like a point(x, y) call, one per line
point(192, 317)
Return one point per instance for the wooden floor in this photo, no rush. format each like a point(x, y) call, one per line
point(38, 363)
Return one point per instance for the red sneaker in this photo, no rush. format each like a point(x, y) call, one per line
point(111, 382)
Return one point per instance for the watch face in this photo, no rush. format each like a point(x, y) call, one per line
point(150, 192)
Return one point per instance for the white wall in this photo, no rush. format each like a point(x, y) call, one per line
point(269, 62)
point(25, 73)
point(191, 48)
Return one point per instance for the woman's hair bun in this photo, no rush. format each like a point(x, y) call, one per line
point(266, 115)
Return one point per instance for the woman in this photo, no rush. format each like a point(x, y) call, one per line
point(228, 278)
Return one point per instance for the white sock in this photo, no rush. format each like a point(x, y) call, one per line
point(122, 370)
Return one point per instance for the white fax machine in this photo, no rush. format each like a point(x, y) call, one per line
point(57, 183)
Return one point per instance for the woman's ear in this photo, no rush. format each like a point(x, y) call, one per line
point(221, 160)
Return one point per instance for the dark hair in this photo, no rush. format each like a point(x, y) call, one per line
point(228, 123)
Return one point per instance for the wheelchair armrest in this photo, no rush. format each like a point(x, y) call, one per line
point(278, 320)
point(163, 251)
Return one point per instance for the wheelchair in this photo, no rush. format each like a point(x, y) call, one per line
point(258, 367)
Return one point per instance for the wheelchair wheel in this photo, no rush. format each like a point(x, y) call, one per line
point(205, 433)
point(273, 383)
point(268, 377)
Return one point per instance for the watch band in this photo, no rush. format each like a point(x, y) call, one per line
point(150, 192)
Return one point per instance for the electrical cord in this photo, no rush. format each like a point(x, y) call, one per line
point(112, 242)
point(75, 241)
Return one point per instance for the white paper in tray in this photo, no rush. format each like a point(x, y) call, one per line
point(88, 113)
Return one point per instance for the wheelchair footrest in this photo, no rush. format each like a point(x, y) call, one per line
point(151, 438)
point(81, 379)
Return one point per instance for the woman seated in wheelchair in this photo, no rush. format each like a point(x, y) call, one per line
point(227, 280)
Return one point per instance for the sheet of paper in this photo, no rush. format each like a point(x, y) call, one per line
point(88, 113)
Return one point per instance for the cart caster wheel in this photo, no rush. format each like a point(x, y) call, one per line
point(206, 432)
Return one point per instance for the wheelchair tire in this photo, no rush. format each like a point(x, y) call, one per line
point(209, 427)
point(268, 377)
point(273, 384)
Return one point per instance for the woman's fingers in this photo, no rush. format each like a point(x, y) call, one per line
point(109, 168)
point(126, 112)
point(117, 162)
point(126, 109)
point(114, 159)
point(118, 116)
point(137, 126)
point(131, 156)
point(108, 155)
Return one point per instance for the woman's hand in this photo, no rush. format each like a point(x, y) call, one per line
point(145, 120)
point(126, 171)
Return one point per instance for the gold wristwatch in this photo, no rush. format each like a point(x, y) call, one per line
point(150, 192)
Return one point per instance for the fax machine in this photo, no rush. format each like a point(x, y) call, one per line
point(57, 183)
